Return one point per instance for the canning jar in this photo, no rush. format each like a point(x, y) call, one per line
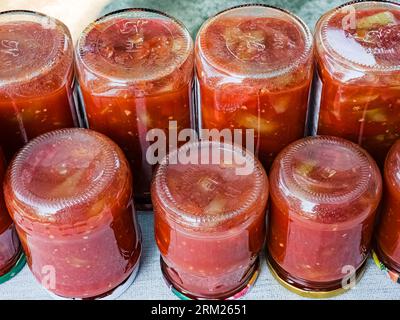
point(135, 70)
point(11, 257)
point(324, 195)
point(387, 249)
point(357, 51)
point(69, 193)
point(36, 78)
point(209, 202)
point(254, 70)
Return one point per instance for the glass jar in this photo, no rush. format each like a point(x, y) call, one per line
point(357, 54)
point(254, 70)
point(387, 249)
point(209, 203)
point(135, 70)
point(11, 257)
point(36, 78)
point(324, 195)
point(69, 193)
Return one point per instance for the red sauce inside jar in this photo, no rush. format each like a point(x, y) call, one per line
point(254, 69)
point(69, 193)
point(10, 247)
point(135, 71)
point(36, 78)
point(324, 196)
point(358, 55)
point(388, 234)
point(210, 219)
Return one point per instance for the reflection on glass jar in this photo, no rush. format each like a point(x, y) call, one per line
point(135, 71)
point(324, 196)
point(210, 219)
point(254, 67)
point(357, 54)
point(36, 78)
point(70, 195)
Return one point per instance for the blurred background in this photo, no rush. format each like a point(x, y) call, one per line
point(79, 13)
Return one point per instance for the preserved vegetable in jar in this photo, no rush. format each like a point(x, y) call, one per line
point(358, 59)
point(324, 195)
point(11, 257)
point(69, 193)
point(36, 78)
point(254, 69)
point(387, 249)
point(209, 203)
point(135, 70)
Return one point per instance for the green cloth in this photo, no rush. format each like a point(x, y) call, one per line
point(194, 13)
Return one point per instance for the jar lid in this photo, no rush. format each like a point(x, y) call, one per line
point(31, 44)
point(314, 294)
point(363, 34)
point(391, 274)
point(63, 177)
point(19, 265)
point(135, 45)
point(210, 184)
point(323, 172)
point(255, 41)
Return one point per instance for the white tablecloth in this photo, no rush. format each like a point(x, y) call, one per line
point(150, 285)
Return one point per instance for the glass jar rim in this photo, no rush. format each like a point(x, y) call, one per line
point(321, 33)
point(120, 13)
point(187, 219)
point(55, 58)
point(303, 28)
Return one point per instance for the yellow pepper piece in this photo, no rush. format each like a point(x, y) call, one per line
point(260, 125)
point(379, 19)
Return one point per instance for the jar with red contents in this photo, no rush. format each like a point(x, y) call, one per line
point(324, 195)
point(69, 193)
point(12, 258)
point(254, 70)
point(387, 249)
point(135, 70)
point(210, 219)
point(357, 53)
point(36, 78)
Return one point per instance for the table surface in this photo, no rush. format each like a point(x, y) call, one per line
point(149, 283)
